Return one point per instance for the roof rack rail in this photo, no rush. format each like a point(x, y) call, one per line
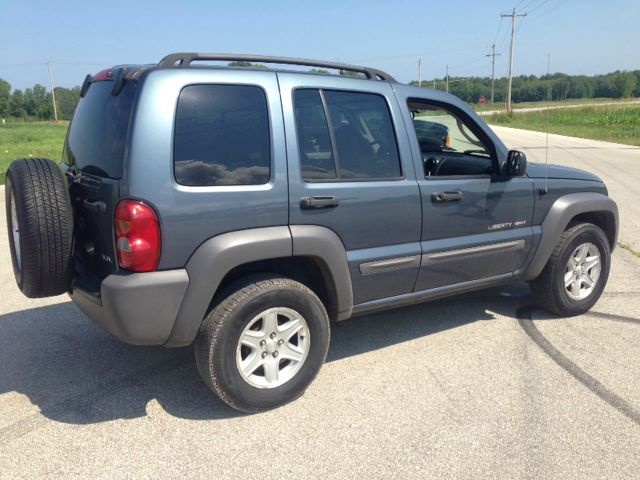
point(183, 60)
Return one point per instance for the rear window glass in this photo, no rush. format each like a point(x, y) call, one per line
point(353, 140)
point(98, 132)
point(222, 136)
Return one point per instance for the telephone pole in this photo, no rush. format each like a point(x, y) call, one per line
point(420, 71)
point(513, 16)
point(53, 93)
point(493, 56)
point(447, 78)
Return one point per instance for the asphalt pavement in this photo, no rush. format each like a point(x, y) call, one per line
point(477, 386)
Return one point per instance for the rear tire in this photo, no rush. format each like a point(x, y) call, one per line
point(263, 344)
point(40, 226)
point(571, 283)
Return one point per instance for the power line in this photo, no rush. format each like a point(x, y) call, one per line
point(549, 10)
point(538, 6)
point(498, 31)
point(513, 16)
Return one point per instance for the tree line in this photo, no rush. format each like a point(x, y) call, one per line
point(557, 86)
point(35, 103)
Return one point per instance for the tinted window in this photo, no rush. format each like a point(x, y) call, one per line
point(314, 142)
point(97, 135)
point(363, 144)
point(222, 136)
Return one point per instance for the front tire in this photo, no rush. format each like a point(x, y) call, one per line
point(263, 344)
point(576, 273)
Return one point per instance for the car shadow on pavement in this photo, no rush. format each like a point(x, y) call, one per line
point(76, 373)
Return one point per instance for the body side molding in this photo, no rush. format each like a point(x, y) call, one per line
point(557, 219)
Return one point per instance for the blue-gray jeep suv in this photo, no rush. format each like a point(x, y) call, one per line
point(244, 209)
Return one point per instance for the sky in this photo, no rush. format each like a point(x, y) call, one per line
point(79, 37)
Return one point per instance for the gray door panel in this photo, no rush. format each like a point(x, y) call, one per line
point(375, 220)
point(487, 232)
point(486, 226)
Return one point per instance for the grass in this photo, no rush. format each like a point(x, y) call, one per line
point(612, 123)
point(30, 139)
point(554, 103)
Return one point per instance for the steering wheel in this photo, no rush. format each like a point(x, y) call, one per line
point(433, 165)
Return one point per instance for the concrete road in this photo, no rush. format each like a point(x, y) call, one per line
point(477, 387)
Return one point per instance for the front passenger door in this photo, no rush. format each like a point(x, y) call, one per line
point(476, 224)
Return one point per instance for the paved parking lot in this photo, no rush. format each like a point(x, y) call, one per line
point(472, 387)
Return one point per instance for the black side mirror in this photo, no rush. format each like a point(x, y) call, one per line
point(516, 164)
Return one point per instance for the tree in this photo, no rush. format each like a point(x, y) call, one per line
point(624, 84)
point(16, 105)
point(242, 63)
point(37, 103)
point(66, 101)
point(5, 98)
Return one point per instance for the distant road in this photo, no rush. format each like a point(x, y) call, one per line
point(555, 107)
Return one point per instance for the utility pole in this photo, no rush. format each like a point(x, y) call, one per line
point(447, 78)
point(420, 71)
point(513, 16)
point(493, 56)
point(53, 93)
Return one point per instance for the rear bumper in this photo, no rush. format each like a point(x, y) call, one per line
point(138, 308)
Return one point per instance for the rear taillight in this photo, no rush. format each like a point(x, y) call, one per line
point(137, 236)
point(103, 75)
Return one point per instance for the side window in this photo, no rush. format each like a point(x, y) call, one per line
point(314, 141)
point(447, 143)
point(222, 136)
point(353, 141)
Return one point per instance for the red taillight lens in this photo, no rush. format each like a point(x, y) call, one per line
point(103, 75)
point(137, 236)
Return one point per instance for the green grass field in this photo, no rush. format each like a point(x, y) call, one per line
point(612, 123)
point(30, 139)
point(555, 103)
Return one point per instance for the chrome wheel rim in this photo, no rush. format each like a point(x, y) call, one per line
point(273, 347)
point(583, 271)
point(15, 230)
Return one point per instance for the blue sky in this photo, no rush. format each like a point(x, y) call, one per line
point(583, 37)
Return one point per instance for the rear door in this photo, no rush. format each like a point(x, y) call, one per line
point(350, 170)
point(93, 158)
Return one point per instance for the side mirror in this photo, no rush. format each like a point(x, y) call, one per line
point(516, 164)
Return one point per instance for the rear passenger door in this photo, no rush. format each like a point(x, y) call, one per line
point(350, 170)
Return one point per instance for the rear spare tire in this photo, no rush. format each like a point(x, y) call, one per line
point(40, 226)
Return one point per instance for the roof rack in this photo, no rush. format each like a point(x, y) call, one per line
point(183, 60)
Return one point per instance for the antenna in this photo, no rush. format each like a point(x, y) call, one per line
point(546, 146)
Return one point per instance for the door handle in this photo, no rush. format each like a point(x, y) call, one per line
point(444, 197)
point(310, 203)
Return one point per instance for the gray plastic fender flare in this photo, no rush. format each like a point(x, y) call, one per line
point(560, 214)
point(219, 255)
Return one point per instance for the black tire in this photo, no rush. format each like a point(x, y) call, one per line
point(217, 340)
point(549, 288)
point(37, 189)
